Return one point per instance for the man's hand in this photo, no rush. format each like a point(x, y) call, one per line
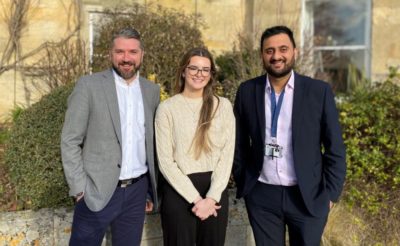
point(331, 204)
point(149, 206)
point(79, 196)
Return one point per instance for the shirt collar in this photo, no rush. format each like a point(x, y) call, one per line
point(289, 84)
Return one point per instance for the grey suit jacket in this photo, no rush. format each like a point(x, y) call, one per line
point(91, 136)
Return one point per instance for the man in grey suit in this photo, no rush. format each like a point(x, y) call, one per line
point(107, 147)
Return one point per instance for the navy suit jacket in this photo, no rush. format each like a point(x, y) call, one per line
point(318, 149)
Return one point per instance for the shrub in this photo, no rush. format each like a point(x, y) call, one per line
point(238, 65)
point(166, 34)
point(33, 153)
point(370, 120)
point(4, 134)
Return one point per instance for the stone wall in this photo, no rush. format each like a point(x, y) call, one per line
point(53, 227)
point(385, 47)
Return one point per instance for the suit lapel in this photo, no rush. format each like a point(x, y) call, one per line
point(260, 104)
point(146, 96)
point(112, 101)
point(298, 99)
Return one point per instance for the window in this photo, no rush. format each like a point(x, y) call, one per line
point(339, 34)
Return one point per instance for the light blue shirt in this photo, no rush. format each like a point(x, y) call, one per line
point(131, 112)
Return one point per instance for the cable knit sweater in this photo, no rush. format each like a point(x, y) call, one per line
point(175, 126)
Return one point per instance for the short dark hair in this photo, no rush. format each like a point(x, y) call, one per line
point(127, 32)
point(275, 30)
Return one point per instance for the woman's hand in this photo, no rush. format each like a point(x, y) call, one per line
point(204, 208)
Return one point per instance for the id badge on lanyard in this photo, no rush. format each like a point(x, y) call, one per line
point(273, 149)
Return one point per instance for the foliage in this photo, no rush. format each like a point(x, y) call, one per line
point(166, 34)
point(33, 153)
point(356, 79)
point(4, 134)
point(238, 65)
point(16, 112)
point(370, 121)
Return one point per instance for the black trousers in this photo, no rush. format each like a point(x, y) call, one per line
point(272, 209)
point(181, 227)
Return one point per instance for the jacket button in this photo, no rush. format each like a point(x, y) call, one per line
point(118, 165)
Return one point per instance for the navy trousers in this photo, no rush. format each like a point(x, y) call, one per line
point(272, 209)
point(124, 213)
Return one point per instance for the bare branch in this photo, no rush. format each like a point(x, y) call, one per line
point(16, 22)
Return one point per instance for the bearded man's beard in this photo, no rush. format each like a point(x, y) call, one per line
point(126, 75)
point(279, 73)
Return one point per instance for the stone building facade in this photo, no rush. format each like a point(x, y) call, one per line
point(363, 33)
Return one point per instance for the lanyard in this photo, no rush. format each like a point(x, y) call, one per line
point(275, 110)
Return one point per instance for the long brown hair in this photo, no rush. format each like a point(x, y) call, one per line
point(201, 141)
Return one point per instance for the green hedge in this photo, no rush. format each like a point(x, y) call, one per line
point(33, 153)
point(370, 121)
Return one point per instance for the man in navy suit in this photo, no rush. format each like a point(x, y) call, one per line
point(290, 158)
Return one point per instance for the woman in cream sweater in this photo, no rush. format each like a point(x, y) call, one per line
point(195, 135)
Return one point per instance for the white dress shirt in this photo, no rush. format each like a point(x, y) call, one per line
point(131, 112)
point(280, 171)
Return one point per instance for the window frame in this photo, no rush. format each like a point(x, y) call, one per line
point(307, 34)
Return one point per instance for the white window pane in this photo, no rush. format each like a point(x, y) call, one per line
point(339, 22)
